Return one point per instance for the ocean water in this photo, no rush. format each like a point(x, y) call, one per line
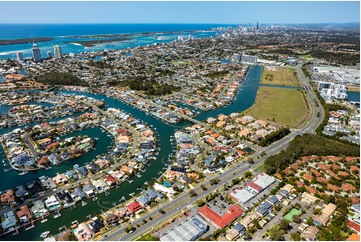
point(67, 36)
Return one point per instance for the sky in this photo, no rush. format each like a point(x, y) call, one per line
point(180, 12)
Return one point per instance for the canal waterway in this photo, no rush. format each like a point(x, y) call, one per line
point(353, 96)
point(244, 99)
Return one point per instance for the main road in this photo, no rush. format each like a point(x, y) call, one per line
point(184, 200)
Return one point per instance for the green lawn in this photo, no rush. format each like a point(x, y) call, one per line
point(148, 237)
point(290, 214)
point(307, 57)
point(281, 105)
point(260, 168)
point(279, 76)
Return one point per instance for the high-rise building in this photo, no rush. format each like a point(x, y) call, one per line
point(257, 27)
point(57, 52)
point(48, 54)
point(36, 53)
point(19, 56)
point(249, 59)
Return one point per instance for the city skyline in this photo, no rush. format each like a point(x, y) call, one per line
point(180, 12)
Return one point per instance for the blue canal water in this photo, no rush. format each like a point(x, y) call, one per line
point(353, 96)
point(67, 36)
point(245, 98)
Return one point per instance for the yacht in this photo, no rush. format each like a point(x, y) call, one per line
point(83, 203)
point(23, 173)
point(57, 215)
point(44, 234)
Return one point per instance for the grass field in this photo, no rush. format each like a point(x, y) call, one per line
point(279, 76)
point(147, 237)
point(307, 57)
point(290, 214)
point(281, 105)
point(260, 168)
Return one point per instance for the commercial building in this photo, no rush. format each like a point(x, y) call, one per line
point(19, 56)
point(221, 221)
point(57, 52)
point(190, 230)
point(36, 53)
point(330, 90)
point(249, 59)
point(236, 58)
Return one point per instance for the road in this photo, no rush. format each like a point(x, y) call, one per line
point(184, 199)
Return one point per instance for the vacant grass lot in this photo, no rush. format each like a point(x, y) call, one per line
point(279, 76)
point(281, 105)
point(148, 237)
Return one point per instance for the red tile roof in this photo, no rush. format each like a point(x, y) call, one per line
point(323, 167)
point(232, 213)
point(322, 179)
point(348, 187)
point(109, 178)
point(332, 187)
point(300, 183)
point(315, 172)
point(354, 226)
point(343, 173)
point(254, 186)
point(355, 168)
point(308, 177)
point(134, 206)
point(331, 173)
point(355, 200)
point(311, 190)
point(294, 167)
point(354, 237)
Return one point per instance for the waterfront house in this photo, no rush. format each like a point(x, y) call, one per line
point(21, 191)
point(95, 224)
point(100, 184)
point(134, 206)
point(8, 197)
point(82, 171)
point(83, 232)
point(153, 194)
point(110, 180)
point(47, 183)
point(89, 189)
point(34, 188)
point(52, 203)
point(24, 214)
point(111, 219)
point(65, 199)
point(143, 200)
point(60, 179)
point(8, 221)
point(71, 174)
point(77, 194)
point(38, 209)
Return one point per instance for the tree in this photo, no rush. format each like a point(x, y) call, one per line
point(296, 218)
point(248, 174)
point(203, 187)
point(214, 181)
point(295, 237)
point(129, 228)
point(250, 160)
point(283, 225)
point(161, 211)
point(192, 193)
point(276, 234)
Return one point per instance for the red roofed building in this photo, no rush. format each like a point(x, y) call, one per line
point(348, 187)
point(300, 183)
point(355, 168)
point(254, 186)
point(336, 167)
point(294, 167)
point(134, 206)
point(333, 158)
point(315, 172)
point(219, 221)
point(323, 167)
point(355, 200)
point(332, 187)
point(311, 190)
point(322, 179)
point(331, 173)
point(354, 226)
point(111, 181)
point(343, 173)
point(288, 171)
point(314, 157)
point(308, 177)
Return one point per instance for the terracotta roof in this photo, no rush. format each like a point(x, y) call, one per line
point(348, 187)
point(24, 210)
point(311, 190)
point(355, 168)
point(300, 183)
point(355, 200)
point(322, 179)
point(232, 213)
point(254, 186)
point(323, 167)
point(315, 172)
point(354, 226)
point(354, 237)
point(343, 173)
point(308, 176)
point(134, 206)
point(332, 187)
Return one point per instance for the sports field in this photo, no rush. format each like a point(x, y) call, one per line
point(285, 106)
point(279, 76)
